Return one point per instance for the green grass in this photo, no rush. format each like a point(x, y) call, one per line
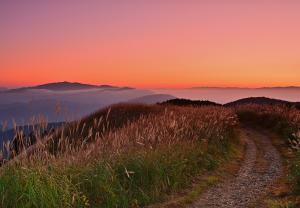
point(136, 179)
point(200, 188)
point(280, 204)
point(35, 188)
point(295, 174)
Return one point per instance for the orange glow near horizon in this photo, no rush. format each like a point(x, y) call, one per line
point(150, 45)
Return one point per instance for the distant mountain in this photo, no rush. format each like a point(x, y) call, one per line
point(280, 88)
point(110, 87)
point(245, 88)
point(62, 86)
point(107, 87)
point(67, 86)
point(186, 102)
point(215, 88)
point(3, 89)
point(152, 99)
point(230, 94)
point(262, 101)
point(57, 86)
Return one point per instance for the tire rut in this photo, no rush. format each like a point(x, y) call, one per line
point(253, 179)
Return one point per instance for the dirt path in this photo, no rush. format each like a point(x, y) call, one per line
point(262, 165)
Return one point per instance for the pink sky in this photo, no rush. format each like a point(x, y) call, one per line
point(143, 43)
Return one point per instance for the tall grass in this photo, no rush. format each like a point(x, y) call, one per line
point(279, 118)
point(136, 163)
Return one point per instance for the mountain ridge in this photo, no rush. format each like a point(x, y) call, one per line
point(152, 99)
point(67, 86)
point(246, 88)
point(188, 102)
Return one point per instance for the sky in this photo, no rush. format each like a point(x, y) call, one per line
point(150, 43)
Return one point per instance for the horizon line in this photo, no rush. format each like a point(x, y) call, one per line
point(155, 88)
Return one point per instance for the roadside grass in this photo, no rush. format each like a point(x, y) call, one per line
point(141, 179)
point(280, 204)
point(20, 187)
point(139, 163)
point(295, 174)
point(200, 188)
point(228, 166)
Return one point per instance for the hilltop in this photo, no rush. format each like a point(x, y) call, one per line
point(57, 86)
point(262, 101)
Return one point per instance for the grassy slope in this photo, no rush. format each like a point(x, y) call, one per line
point(138, 162)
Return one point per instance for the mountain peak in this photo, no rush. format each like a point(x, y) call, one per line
point(67, 86)
point(57, 86)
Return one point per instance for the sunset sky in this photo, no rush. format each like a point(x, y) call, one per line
point(150, 43)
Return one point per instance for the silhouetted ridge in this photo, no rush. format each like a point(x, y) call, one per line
point(64, 86)
point(152, 99)
point(186, 102)
point(262, 101)
point(68, 86)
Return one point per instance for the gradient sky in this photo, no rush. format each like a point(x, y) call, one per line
point(150, 43)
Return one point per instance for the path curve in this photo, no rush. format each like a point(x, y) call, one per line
point(261, 167)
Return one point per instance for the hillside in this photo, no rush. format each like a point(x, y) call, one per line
point(100, 122)
point(123, 156)
point(118, 114)
point(131, 151)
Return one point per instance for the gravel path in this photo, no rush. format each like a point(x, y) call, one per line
point(262, 165)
